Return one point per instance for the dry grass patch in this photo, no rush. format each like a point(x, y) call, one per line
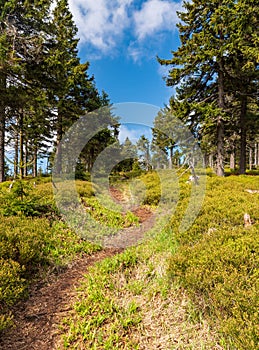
point(168, 318)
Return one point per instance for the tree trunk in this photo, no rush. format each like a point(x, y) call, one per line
point(255, 155)
point(220, 125)
point(205, 162)
point(58, 169)
point(35, 162)
point(211, 163)
point(147, 160)
point(242, 160)
point(2, 129)
point(91, 159)
point(21, 139)
point(170, 163)
point(232, 162)
point(25, 158)
point(250, 158)
point(16, 154)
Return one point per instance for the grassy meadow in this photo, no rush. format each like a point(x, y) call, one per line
point(33, 240)
point(196, 289)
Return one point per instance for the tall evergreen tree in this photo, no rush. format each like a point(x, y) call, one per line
point(201, 65)
point(242, 68)
point(44, 87)
point(163, 133)
point(22, 24)
point(129, 155)
point(73, 91)
point(143, 146)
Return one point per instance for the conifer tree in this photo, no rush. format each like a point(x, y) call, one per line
point(242, 68)
point(73, 91)
point(143, 146)
point(211, 33)
point(129, 155)
point(44, 87)
point(163, 133)
point(21, 26)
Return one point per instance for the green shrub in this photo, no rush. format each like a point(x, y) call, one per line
point(24, 240)
point(23, 199)
point(12, 285)
point(85, 188)
point(28, 245)
point(107, 216)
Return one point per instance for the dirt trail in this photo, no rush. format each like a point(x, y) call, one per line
point(133, 235)
point(36, 320)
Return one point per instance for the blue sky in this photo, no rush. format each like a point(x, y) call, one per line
point(121, 39)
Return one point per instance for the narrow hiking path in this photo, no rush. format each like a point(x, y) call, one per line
point(166, 322)
point(36, 320)
point(132, 235)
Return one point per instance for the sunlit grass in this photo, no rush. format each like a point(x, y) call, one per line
point(196, 289)
point(186, 290)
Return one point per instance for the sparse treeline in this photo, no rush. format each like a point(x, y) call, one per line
point(43, 85)
point(215, 72)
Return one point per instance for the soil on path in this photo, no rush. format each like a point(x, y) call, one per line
point(132, 235)
point(36, 320)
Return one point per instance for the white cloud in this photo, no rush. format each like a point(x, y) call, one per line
point(103, 23)
point(134, 133)
point(154, 16)
point(100, 22)
point(135, 52)
point(125, 132)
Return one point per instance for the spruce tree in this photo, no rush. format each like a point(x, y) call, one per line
point(73, 91)
point(163, 133)
point(129, 155)
point(22, 24)
point(242, 68)
point(143, 146)
point(211, 33)
point(44, 87)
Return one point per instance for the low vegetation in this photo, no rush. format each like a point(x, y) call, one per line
point(191, 290)
point(217, 260)
point(33, 239)
point(107, 216)
point(178, 290)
